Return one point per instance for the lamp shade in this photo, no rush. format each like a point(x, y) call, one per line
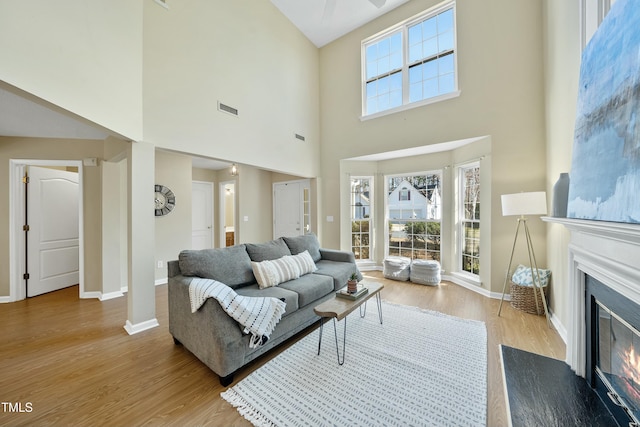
point(532, 203)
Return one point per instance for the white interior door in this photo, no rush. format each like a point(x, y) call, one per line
point(53, 237)
point(202, 215)
point(287, 209)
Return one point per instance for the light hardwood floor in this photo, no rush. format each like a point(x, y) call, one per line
point(73, 362)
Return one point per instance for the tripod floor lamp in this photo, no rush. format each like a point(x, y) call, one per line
point(521, 204)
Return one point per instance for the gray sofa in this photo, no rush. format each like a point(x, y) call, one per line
point(217, 339)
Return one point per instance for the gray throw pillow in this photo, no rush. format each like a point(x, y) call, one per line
point(231, 266)
point(307, 242)
point(267, 251)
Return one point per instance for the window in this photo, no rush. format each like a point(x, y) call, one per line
point(469, 180)
point(411, 63)
point(413, 220)
point(361, 209)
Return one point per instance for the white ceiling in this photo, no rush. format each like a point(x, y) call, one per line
point(24, 116)
point(323, 21)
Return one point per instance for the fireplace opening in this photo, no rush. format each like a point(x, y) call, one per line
point(618, 360)
point(613, 350)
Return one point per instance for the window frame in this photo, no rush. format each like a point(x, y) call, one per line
point(370, 219)
point(388, 219)
point(462, 221)
point(403, 27)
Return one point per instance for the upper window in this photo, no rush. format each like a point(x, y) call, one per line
point(411, 63)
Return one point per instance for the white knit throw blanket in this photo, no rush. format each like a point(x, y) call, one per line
point(258, 315)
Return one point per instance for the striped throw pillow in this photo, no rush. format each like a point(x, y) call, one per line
point(273, 272)
point(305, 263)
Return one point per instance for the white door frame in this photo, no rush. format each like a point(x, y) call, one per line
point(222, 206)
point(17, 219)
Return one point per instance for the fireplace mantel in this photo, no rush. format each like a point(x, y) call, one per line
point(611, 230)
point(607, 251)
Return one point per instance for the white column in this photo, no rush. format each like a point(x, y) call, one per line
point(141, 299)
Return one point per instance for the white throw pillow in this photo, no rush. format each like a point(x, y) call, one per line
point(305, 263)
point(273, 272)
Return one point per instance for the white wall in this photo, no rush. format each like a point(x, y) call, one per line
point(562, 70)
point(246, 55)
point(173, 231)
point(501, 81)
point(85, 57)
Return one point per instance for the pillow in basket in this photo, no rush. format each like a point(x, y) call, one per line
point(523, 277)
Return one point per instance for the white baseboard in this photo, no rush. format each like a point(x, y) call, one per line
point(111, 295)
point(5, 299)
point(140, 327)
point(162, 281)
point(92, 294)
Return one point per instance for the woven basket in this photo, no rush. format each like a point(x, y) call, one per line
point(523, 298)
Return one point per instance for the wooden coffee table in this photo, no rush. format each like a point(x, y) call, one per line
point(338, 308)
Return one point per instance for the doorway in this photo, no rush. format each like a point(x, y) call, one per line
point(228, 229)
point(18, 220)
point(291, 208)
point(201, 215)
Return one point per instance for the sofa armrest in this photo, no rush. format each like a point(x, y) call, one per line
point(173, 268)
point(210, 333)
point(338, 256)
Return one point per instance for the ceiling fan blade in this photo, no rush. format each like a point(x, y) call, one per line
point(329, 7)
point(378, 3)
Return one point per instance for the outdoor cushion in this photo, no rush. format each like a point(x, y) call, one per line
point(231, 265)
point(307, 242)
point(267, 251)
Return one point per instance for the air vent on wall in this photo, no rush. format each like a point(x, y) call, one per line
point(300, 137)
point(227, 109)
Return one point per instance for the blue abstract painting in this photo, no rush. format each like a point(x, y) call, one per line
point(605, 169)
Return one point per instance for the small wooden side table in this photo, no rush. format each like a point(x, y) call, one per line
point(338, 308)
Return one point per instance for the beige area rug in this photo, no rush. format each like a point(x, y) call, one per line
point(419, 368)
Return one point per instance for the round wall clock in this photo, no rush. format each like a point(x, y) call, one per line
point(165, 200)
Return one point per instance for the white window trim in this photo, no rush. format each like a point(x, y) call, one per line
point(403, 25)
point(470, 277)
point(363, 262)
point(386, 204)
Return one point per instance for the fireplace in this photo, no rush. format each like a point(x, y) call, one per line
point(613, 350)
point(603, 307)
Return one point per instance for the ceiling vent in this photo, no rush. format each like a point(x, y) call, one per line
point(300, 137)
point(162, 3)
point(227, 109)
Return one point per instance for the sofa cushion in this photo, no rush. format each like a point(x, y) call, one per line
point(267, 251)
point(273, 272)
point(290, 297)
point(309, 287)
point(339, 271)
point(231, 265)
point(307, 242)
